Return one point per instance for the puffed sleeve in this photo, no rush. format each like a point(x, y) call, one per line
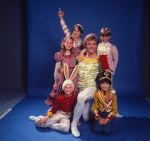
point(76, 50)
point(58, 56)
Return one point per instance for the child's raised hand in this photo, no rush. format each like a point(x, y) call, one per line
point(60, 14)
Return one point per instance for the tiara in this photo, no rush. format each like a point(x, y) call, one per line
point(79, 26)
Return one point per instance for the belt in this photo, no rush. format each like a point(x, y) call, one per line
point(101, 110)
point(66, 113)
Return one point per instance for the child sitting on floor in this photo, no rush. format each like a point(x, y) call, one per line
point(58, 118)
point(103, 111)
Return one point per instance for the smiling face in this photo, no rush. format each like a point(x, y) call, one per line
point(105, 86)
point(104, 38)
point(91, 46)
point(76, 33)
point(68, 44)
point(68, 89)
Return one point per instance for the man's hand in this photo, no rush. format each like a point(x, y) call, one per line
point(60, 14)
point(110, 97)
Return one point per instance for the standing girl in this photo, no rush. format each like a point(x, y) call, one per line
point(68, 56)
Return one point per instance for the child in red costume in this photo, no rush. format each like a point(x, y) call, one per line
point(58, 118)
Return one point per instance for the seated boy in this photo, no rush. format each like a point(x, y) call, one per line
point(103, 111)
point(58, 118)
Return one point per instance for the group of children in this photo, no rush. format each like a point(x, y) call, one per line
point(65, 90)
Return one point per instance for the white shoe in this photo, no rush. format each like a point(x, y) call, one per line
point(32, 118)
point(75, 131)
point(118, 115)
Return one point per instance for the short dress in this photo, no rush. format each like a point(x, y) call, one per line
point(71, 61)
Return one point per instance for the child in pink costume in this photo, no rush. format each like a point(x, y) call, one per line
point(68, 56)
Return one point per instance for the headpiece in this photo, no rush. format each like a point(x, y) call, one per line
point(66, 73)
point(106, 75)
point(79, 26)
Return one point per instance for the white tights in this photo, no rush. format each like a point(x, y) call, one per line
point(83, 105)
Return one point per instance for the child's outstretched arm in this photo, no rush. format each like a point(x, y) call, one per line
point(61, 14)
point(63, 24)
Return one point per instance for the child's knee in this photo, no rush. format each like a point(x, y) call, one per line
point(97, 128)
point(80, 98)
point(65, 128)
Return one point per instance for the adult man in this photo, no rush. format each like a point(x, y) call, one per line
point(89, 67)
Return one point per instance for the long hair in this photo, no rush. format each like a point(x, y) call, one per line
point(63, 49)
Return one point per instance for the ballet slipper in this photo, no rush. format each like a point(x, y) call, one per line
point(75, 131)
point(32, 118)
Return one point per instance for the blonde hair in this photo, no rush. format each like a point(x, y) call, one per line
point(63, 49)
point(90, 37)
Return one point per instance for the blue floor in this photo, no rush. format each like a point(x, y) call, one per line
point(134, 126)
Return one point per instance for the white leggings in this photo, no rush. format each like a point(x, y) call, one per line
point(83, 105)
point(58, 121)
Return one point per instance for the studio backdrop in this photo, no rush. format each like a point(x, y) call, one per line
point(124, 18)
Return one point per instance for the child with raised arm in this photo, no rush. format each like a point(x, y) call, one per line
point(58, 118)
point(103, 111)
point(108, 54)
point(66, 55)
point(77, 31)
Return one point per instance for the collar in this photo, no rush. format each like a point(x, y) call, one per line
point(104, 93)
point(95, 60)
point(68, 95)
point(105, 44)
point(77, 39)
